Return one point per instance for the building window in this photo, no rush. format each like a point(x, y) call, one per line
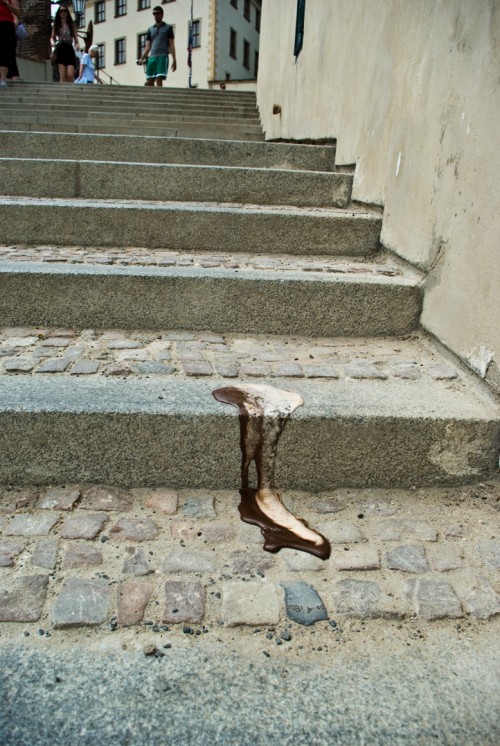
point(257, 20)
point(246, 10)
point(101, 59)
point(100, 12)
point(256, 65)
point(234, 3)
point(246, 54)
point(81, 21)
point(120, 57)
point(143, 4)
point(120, 8)
point(164, 2)
point(141, 44)
point(196, 33)
point(233, 40)
point(299, 27)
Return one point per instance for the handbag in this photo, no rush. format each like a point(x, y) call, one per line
point(21, 32)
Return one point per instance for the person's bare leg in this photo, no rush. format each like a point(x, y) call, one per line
point(150, 82)
point(3, 73)
point(62, 74)
point(70, 74)
point(159, 82)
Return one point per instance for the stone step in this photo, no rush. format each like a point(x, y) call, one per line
point(232, 293)
point(168, 150)
point(127, 108)
point(142, 118)
point(397, 414)
point(54, 91)
point(110, 180)
point(191, 226)
point(188, 129)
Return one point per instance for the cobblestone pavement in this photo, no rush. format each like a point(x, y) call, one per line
point(168, 562)
point(384, 265)
point(122, 353)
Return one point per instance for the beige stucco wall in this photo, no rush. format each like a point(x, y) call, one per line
point(410, 90)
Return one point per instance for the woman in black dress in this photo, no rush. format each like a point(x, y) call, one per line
point(64, 40)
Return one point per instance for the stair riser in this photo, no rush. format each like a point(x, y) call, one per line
point(176, 228)
point(117, 181)
point(182, 451)
point(208, 131)
point(225, 304)
point(139, 120)
point(174, 109)
point(168, 150)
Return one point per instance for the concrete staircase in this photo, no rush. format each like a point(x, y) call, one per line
point(128, 110)
point(139, 273)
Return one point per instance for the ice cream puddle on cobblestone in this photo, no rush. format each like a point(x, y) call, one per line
point(264, 412)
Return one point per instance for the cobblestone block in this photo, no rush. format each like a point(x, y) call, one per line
point(185, 602)
point(342, 532)
point(81, 602)
point(301, 561)
point(197, 368)
point(189, 560)
point(198, 506)
point(102, 497)
point(55, 365)
point(56, 342)
point(154, 368)
point(433, 599)
point(407, 558)
point(250, 603)
point(443, 557)
point(454, 531)
point(31, 525)
point(244, 562)
point(216, 533)
point(408, 372)
point(376, 508)
point(163, 500)
point(132, 529)
point(288, 370)
point(256, 370)
point(420, 530)
point(303, 603)
point(249, 534)
point(83, 525)
point(363, 599)
point(22, 499)
point(489, 551)
point(320, 371)
point(366, 371)
point(135, 562)
point(123, 344)
point(45, 553)
point(360, 558)
point(480, 599)
point(132, 599)
point(85, 367)
point(442, 372)
point(10, 548)
point(81, 555)
point(327, 505)
point(226, 370)
point(59, 498)
point(19, 365)
point(388, 530)
point(183, 530)
point(24, 602)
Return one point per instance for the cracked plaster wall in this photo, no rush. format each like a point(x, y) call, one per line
point(411, 93)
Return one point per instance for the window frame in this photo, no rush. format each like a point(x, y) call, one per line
point(233, 43)
point(196, 37)
point(143, 5)
point(99, 10)
point(141, 46)
point(119, 52)
point(101, 56)
point(120, 8)
point(247, 10)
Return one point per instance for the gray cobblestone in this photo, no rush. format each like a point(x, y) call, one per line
point(85, 368)
point(165, 501)
point(131, 529)
point(24, 602)
point(300, 561)
point(83, 525)
point(342, 532)
point(444, 557)
point(103, 497)
point(216, 533)
point(433, 599)
point(31, 525)
point(303, 603)
point(81, 555)
point(189, 560)
point(407, 558)
point(198, 506)
point(244, 562)
point(489, 551)
point(59, 498)
point(81, 602)
point(184, 602)
point(250, 603)
point(480, 599)
point(135, 562)
point(359, 558)
point(363, 599)
point(45, 553)
point(58, 365)
point(9, 549)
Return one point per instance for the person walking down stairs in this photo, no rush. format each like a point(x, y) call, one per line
point(159, 44)
point(64, 40)
point(8, 11)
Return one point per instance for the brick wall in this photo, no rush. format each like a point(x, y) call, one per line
point(36, 16)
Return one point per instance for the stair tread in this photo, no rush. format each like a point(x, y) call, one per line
point(339, 377)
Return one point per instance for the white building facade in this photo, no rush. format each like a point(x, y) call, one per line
point(225, 40)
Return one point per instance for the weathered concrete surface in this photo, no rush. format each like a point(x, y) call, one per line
point(193, 226)
point(172, 432)
point(418, 113)
point(146, 181)
point(145, 149)
point(306, 303)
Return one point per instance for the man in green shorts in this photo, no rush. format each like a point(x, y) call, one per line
point(159, 44)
